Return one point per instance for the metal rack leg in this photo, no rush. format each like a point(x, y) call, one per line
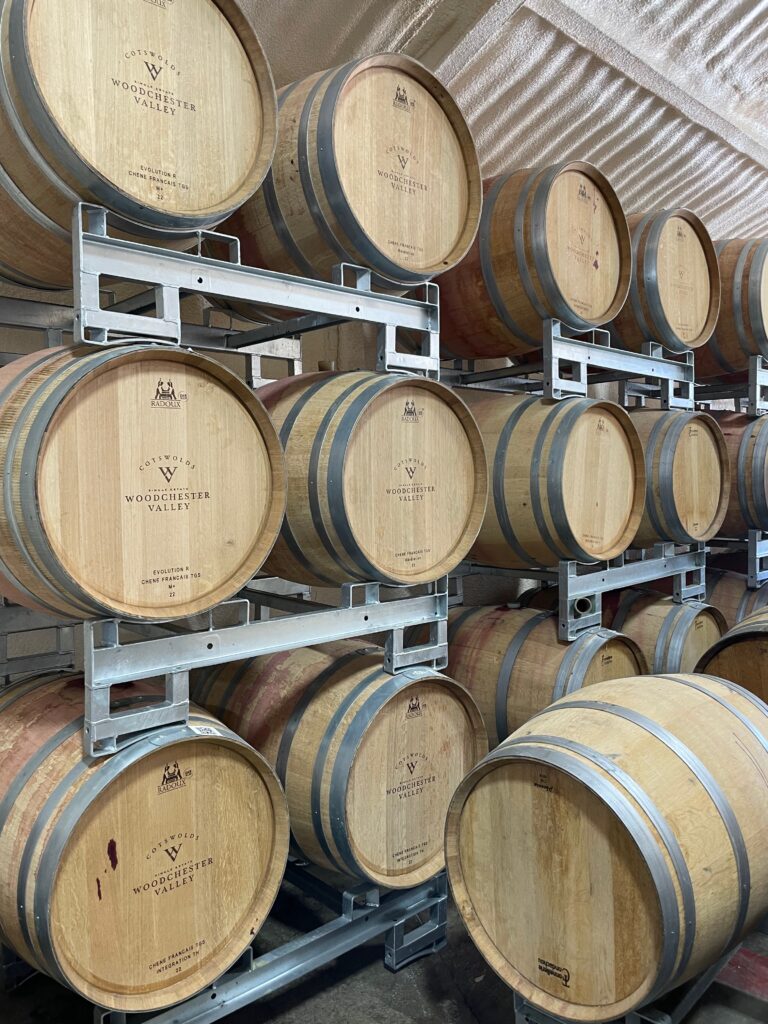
point(402, 948)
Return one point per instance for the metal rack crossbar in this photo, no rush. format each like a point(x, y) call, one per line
point(581, 586)
point(755, 549)
point(108, 661)
point(169, 273)
point(750, 396)
point(569, 364)
point(365, 916)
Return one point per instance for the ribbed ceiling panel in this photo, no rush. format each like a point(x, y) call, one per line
point(533, 96)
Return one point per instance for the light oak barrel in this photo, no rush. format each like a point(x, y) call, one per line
point(374, 166)
point(369, 761)
point(688, 476)
point(674, 298)
point(672, 636)
point(742, 654)
point(136, 879)
point(156, 80)
point(746, 440)
point(567, 479)
point(120, 468)
point(514, 665)
point(626, 827)
point(729, 593)
point(386, 478)
point(742, 327)
point(553, 242)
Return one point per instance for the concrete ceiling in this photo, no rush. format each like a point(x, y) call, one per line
point(668, 97)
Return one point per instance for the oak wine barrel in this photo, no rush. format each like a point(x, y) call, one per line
point(553, 242)
point(672, 636)
point(688, 476)
point(742, 654)
point(375, 166)
point(729, 593)
point(614, 846)
point(567, 479)
point(742, 327)
point(155, 79)
point(514, 665)
point(386, 478)
point(369, 761)
point(746, 440)
point(136, 879)
point(121, 466)
point(674, 298)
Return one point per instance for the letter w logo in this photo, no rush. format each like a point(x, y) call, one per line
point(153, 69)
point(410, 470)
point(411, 766)
point(168, 472)
point(173, 851)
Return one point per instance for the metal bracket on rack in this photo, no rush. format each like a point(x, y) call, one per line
point(56, 655)
point(749, 396)
point(364, 917)
point(171, 651)
point(755, 550)
point(581, 586)
point(168, 273)
point(569, 364)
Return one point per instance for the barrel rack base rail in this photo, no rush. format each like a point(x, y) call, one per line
point(412, 923)
point(581, 586)
point(571, 362)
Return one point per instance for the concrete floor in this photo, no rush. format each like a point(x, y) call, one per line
point(454, 986)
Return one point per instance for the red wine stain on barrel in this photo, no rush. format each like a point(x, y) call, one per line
point(98, 887)
point(112, 853)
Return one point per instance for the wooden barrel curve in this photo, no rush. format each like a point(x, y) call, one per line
point(729, 593)
point(369, 761)
point(746, 440)
point(514, 665)
point(688, 476)
point(374, 166)
point(156, 79)
point(674, 298)
point(742, 327)
point(112, 869)
point(386, 478)
point(643, 804)
point(553, 242)
point(742, 654)
point(672, 636)
point(137, 451)
point(567, 479)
